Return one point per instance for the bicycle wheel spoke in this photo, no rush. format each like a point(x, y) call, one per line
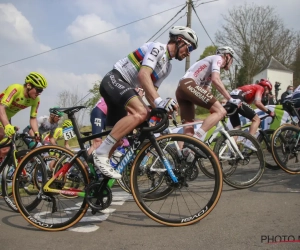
point(192, 197)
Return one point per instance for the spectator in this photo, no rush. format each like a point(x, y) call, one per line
point(289, 90)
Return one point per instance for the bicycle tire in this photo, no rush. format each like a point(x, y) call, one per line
point(284, 149)
point(229, 178)
point(269, 163)
point(156, 209)
point(5, 180)
point(157, 182)
point(45, 216)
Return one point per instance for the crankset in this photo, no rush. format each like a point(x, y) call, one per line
point(98, 195)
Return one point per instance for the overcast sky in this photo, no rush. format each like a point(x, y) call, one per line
point(30, 27)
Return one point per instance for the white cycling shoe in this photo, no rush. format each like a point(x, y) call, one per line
point(103, 164)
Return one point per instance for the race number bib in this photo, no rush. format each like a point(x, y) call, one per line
point(68, 133)
point(235, 92)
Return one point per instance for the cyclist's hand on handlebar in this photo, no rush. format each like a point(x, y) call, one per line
point(270, 113)
point(169, 104)
point(9, 130)
point(37, 136)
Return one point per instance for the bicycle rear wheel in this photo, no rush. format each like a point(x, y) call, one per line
point(285, 148)
point(237, 172)
point(183, 203)
point(52, 212)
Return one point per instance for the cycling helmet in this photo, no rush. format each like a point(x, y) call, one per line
point(265, 83)
point(55, 111)
point(67, 123)
point(186, 33)
point(225, 50)
point(37, 80)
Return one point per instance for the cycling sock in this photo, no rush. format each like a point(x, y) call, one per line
point(199, 133)
point(106, 145)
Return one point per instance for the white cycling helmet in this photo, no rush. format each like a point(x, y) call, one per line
point(225, 50)
point(186, 33)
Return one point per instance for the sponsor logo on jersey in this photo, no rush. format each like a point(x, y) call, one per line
point(115, 83)
point(11, 94)
point(18, 105)
point(219, 63)
point(201, 68)
point(97, 122)
point(154, 52)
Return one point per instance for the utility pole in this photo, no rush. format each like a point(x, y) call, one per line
point(189, 21)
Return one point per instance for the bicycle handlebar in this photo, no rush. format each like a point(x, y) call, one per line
point(160, 126)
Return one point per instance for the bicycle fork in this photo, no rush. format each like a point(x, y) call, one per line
point(163, 159)
point(231, 143)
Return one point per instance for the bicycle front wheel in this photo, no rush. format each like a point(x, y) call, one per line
point(189, 200)
point(50, 210)
point(240, 172)
point(285, 148)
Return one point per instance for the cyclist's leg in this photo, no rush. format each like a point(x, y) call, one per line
point(121, 98)
point(200, 96)
point(3, 151)
point(247, 111)
point(98, 121)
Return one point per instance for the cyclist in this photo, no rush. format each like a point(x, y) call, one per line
point(46, 124)
point(17, 97)
point(146, 67)
point(194, 88)
point(248, 94)
point(58, 134)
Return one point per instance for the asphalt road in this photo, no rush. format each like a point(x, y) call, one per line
point(243, 219)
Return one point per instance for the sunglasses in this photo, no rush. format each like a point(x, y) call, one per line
point(39, 90)
point(190, 47)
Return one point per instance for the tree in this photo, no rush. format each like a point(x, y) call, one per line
point(296, 65)
point(68, 99)
point(256, 33)
point(208, 51)
point(91, 102)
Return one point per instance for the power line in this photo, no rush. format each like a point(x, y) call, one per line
point(90, 36)
point(167, 23)
point(201, 22)
point(169, 27)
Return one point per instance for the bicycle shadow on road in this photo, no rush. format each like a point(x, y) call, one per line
point(7, 221)
point(277, 182)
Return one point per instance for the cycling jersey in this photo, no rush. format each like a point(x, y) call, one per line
point(14, 100)
point(102, 105)
point(201, 71)
point(154, 55)
point(249, 93)
point(45, 125)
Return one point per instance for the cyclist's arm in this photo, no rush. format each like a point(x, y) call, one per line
point(257, 100)
point(3, 117)
point(216, 81)
point(144, 78)
point(67, 145)
point(52, 140)
point(33, 124)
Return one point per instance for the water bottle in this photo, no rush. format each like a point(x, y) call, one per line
point(117, 156)
point(187, 153)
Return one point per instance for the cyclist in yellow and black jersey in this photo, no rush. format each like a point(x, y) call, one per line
point(17, 97)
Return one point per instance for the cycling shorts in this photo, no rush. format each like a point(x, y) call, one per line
point(245, 110)
point(116, 93)
point(188, 94)
point(98, 121)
